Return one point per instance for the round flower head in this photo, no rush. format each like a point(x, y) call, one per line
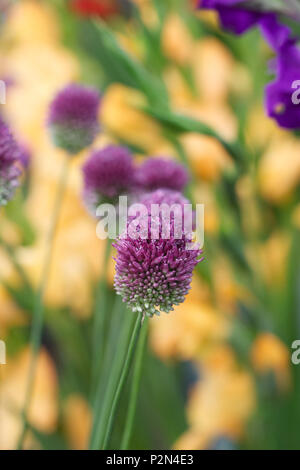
point(154, 274)
point(107, 174)
point(163, 196)
point(175, 203)
point(161, 172)
point(9, 170)
point(73, 118)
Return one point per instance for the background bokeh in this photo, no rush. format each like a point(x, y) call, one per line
point(217, 373)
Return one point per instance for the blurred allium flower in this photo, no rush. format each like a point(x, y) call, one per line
point(154, 275)
point(73, 118)
point(161, 172)
point(9, 170)
point(107, 174)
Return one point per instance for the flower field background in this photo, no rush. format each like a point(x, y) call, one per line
point(161, 100)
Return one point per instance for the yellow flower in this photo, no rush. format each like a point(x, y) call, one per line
point(179, 93)
point(279, 171)
point(177, 42)
point(273, 256)
point(191, 329)
point(218, 116)
point(206, 155)
point(121, 115)
point(77, 420)
point(228, 292)
point(220, 405)
point(32, 21)
point(43, 412)
point(269, 353)
point(213, 68)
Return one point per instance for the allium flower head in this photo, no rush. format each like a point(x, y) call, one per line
point(73, 118)
point(107, 174)
point(9, 170)
point(172, 200)
point(163, 196)
point(159, 172)
point(154, 275)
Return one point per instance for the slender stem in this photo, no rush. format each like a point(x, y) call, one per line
point(122, 379)
point(99, 320)
point(38, 312)
point(137, 372)
point(105, 377)
point(119, 332)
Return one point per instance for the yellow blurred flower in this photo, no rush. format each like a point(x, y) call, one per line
point(207, 156)
point(179, 92)
point(218, 116)
point(32, 21)
point(176, 40)
point(227, 290)
point(273, 258)
point(213, 68)
point(43, 412)
point(220, 405)
point(121, 115)
point(77, 421)
point(203, 194)
point(279, 171)
point(269, 353)
point(260, 128)
point(189, 330)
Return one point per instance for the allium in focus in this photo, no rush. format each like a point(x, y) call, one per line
point(73, 118)
point(9, 160)
point(154, 274)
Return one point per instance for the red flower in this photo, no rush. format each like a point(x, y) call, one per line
point(102, 8)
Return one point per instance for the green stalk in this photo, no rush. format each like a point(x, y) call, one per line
point(124, 374)
point(137, 372)
point(38, 312)
point(99, 320)
point(120, 328)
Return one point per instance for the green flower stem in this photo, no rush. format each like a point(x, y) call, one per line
point(135, 387)
point(38, 312)
point(120, 328)
point(100, 320)
point(124, 374)
point(106, 369)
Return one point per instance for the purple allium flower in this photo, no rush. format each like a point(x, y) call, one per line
point(9, 170)
point(278, 99)
point(173, 200)
point(154, 274)
point(107, 174)
point(73, 118)
point(163, 196)
point(159, 172)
